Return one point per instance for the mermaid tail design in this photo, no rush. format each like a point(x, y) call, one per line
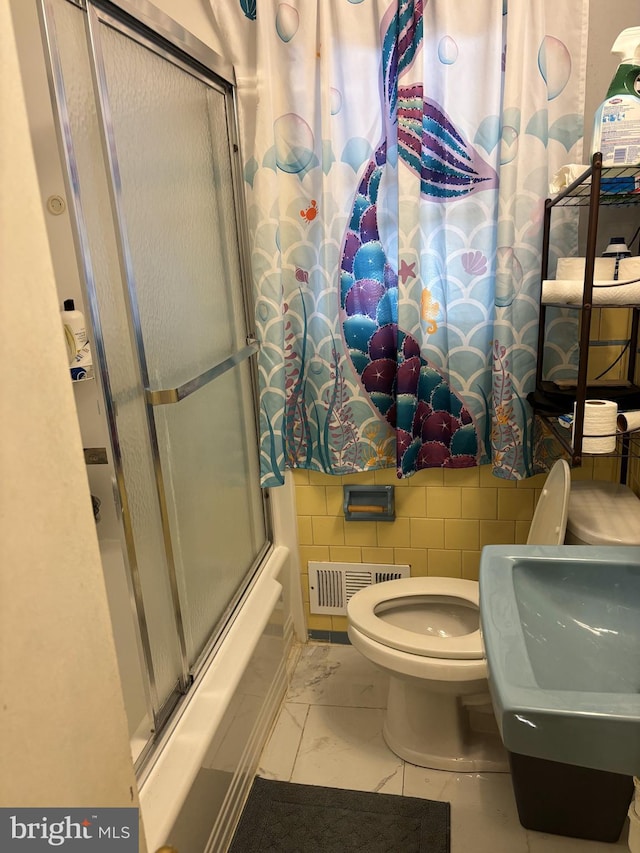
point(447, 165)
point(433, 426)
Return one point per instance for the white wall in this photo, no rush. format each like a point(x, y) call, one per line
point(64, 733)
point(196, 17)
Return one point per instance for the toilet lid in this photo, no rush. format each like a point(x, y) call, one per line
point(362, 614)
point(603, 513)
point(549, 523)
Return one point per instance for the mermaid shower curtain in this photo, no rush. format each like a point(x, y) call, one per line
point(397, 158)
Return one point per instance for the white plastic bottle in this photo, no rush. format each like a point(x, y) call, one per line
point(75, 330)
point(617, 249)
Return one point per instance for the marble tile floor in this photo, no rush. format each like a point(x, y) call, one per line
point(329, 732)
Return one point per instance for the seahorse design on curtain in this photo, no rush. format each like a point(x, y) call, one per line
point(433, 426)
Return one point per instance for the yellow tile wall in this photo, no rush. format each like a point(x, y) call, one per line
point(614, 324)
point(601, 358)
point(443, 520)
point(608, 324)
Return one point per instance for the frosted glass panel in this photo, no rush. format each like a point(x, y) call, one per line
point(178, 202)
point(103, 272)
point(178, 209)
point(208, 450)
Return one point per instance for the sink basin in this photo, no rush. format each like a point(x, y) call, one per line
point(561, 629)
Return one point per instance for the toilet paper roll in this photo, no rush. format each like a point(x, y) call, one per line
point(599, 428)
point(573, 268)
point(629, 421)
point(628, 268)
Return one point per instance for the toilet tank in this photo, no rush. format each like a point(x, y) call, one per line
point(602, 513)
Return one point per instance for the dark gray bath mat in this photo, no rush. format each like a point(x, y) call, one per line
point(282, 817)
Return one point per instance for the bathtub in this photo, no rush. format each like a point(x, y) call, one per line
point(193, 794)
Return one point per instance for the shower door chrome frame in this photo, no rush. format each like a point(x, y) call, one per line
point(46, 17)
point(94, 19)
point(193, 57)
point(145, 24)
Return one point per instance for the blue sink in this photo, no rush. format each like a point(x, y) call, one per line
point(561, 629)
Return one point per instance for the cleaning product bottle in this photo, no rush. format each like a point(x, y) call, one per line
point(617, 249)
point(75, 331)
point(616, 131)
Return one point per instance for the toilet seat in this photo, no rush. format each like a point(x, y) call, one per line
point(363, 606)
point(549, 523)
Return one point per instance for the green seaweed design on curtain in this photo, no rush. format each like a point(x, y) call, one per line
point(510, 433)
point(332, 434)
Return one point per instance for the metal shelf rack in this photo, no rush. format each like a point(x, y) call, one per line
point(593, 189)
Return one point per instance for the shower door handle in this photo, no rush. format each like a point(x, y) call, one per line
point(165, 396)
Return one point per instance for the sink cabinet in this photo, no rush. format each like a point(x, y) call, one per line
point(561, 631)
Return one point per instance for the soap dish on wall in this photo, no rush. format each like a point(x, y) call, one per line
point(369, 503)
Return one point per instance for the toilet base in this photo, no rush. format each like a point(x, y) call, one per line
point(434, 729)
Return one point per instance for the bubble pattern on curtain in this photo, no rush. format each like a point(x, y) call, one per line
point(396, 178)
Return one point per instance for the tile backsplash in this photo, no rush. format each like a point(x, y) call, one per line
point(444, 517)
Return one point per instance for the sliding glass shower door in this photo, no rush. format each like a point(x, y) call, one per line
point(172, 170)
point(149, 140)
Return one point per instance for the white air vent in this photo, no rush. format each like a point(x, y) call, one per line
point(331, 585)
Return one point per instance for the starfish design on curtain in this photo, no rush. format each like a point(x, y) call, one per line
point(406, 271)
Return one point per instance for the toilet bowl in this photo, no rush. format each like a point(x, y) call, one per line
point(425, 633)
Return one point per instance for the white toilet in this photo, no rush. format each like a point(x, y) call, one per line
point(425, 633)
point(602, 513)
